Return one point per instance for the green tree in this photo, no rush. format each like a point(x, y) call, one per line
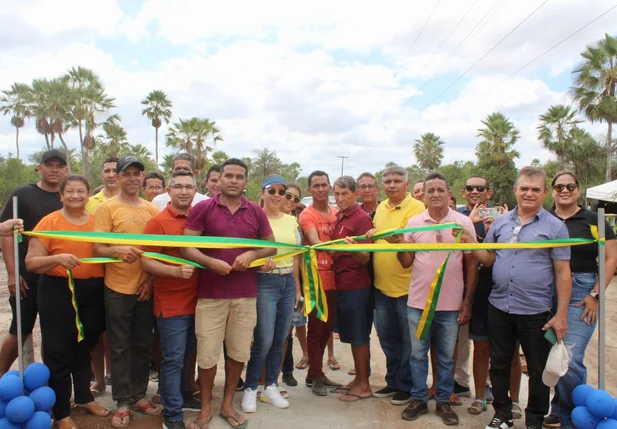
point(115, 137)
point(51, 102)
point(555, 130)
point(14, 102)
point(428, 150)
point(157, 109)
point(586, 158)
point(168, 161)
point(595, 81)
point(14, 173)
point(265, 162)
point(219, 157)
point(196, 136)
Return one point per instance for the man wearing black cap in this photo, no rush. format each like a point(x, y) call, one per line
point(35, 201)
point(128, 293)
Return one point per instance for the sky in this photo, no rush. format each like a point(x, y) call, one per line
point(312, 80)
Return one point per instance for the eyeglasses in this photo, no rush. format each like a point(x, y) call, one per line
point(515, 232)
point(181, 187)
point(480, 188)
point(290, 196)
point(272, 191)
point(560, 187)
point(154, 188)
point(369, 187)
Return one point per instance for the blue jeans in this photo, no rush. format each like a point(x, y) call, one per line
point(445, 326)
point(393, 332)
point(276, 297)
point(578, 336)
point(177, 337)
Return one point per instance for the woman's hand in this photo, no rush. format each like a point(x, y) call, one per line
point(6, 228)
point(590, 314)
point(268, 266)
point(67, 260)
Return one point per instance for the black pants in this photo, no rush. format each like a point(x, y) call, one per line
point(129, 330)
point(504, 331)
point(62, 353)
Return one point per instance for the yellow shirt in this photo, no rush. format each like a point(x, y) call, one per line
point(390, 278)
point(285, 230)
point(95, 201)
point(115, 216)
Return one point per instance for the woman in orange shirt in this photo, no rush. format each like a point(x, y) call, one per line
point(63, 353)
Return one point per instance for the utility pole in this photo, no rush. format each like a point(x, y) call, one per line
point(343, 158)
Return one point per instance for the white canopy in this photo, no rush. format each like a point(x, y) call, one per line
point(604, 192)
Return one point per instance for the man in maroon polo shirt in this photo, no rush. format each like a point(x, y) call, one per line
point(353, 287)
point(227, 292)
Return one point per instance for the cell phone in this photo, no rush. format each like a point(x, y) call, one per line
point(490, 212)
point(551, 336)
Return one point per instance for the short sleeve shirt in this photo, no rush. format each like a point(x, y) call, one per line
point(95, 201)
point(161, 201)
point(213, 218)
point(311, 218)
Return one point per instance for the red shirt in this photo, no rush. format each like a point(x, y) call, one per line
point(350, 275)
point(172, 296)
point(311, 218)
point(214, 219)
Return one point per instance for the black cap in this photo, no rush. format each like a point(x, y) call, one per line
point(127, 160)
point(54, 153)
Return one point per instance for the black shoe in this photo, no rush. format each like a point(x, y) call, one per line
point(191, 404)
point(386, 392)
point(173, 425)
point(240, 386)
point(552, 422)
point(461, 391)
point(401, 398)
point(447, 414)
point(289, 380)
point(498, 423)
point(308, 381)
point(414, 410)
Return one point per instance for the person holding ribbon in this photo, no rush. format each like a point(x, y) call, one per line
point(70, 301)
point(583, 307)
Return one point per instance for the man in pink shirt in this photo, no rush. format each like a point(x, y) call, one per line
point(453, 306)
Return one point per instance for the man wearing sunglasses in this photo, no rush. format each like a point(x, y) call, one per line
point(522, 297)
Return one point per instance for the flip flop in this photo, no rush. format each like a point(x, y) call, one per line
point(121, 415)
point(341, 390)
point(333, 364)
point(201, 425)
point(95, 409)
point(303, 364)
point(96, 393)
point(354, 396)
point(227, 419)
point(517, 412)
point(145, 407)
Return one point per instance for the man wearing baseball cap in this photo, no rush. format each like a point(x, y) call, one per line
point(34, 202)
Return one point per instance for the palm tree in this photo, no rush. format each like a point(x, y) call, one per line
point(158, 109)
point(265, 162)
point(594, 87)
point(193, 136)
point(51, 102)
point(499, 136)
point(555, 130)
point(429, 151)
point(168, 163)
point(115, 136)
point(219, 157)
point(15, 102)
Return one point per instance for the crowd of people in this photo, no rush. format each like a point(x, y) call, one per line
point(141, 313)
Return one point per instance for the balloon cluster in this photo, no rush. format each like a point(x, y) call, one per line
point(26, 404)
point(595, 409)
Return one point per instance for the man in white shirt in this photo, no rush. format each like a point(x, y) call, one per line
point(181, 161)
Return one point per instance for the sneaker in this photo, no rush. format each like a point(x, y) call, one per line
point(414, 410)
point(498, 423)
point(271, 395)
point(167, 424)
point(551, 422)
point(191, 404)
point(447, 414)
point(461, 391)
point(249, 400)
point(240, 386)
point(401, 398)
point(308, 381)
point(386, 392)
point(289, 380)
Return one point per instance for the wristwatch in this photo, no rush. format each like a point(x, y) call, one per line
point(594, 294)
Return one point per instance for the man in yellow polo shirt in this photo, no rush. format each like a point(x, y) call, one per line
point(110, 183)
point(392, 285)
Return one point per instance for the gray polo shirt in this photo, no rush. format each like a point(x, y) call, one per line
point(524, 278)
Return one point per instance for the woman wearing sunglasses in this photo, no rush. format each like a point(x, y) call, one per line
point(278, 292)
point(583, 309)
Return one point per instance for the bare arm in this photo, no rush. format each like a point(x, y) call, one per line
point(297, 273)
point(128, 254)
point(611, 262)
point(471, 268)
point(39, 261)
point(312, 236)
point(160, 269)
point(563, 281)
point(243, 261)
point(405, 258)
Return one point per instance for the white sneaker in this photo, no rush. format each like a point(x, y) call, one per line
point(271, 395)
point(249, 401)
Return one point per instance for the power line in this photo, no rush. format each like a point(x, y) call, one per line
point(472, 66)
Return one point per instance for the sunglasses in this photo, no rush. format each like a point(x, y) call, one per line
point(560, 187)
point(272, 191)
point(515, 232)
point(480, 188)
point(290, 196)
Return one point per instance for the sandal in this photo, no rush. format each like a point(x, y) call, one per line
point(96, 393)
point(303, 364)
point(123, 416)
point(95, 409)
point(351, 372)
point(156, 399)
point(517, 412)
point(477, 407)
point(333, 364)
point(66, 423)
point(201, 425)
point(352, 397)
point(229, 419)
point(455, 400)
point(147, 408)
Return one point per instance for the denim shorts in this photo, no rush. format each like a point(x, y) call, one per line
point(478, 326)
point(354, 316)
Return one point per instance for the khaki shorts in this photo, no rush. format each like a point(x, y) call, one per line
point(224, 320)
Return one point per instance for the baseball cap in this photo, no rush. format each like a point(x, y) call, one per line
point(127, 160)
point(275, 179)
point(556, 365)
point(54, 153)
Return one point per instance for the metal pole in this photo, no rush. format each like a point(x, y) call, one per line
point(342, 162)
point(20, 358)
point(602, 297)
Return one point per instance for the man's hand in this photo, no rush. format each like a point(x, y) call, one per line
point(243, 261)
point(220, 267)
point(23, 287)
point(349, 240)
point(560, 324)
point(67, 260)
point(503, 208)
point(465, 237)
point(185, 272)
point(487, 224)
point(6, 227)
point(128, 254)
point(464, 314)
point(144, 292)
point(474, 216)
point(369, 234)
point(395, 239)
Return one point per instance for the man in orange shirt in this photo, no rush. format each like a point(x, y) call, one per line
point(175, 298)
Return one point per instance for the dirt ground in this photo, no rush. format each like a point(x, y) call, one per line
point(309, 411)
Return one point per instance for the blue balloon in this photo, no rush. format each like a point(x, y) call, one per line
point(36, 375)
point(583, 419)
point(7, 424)
point(600, 404)
point(44, 398)
point(580, 393)
point(20, 409)
point(12, 372)
point(607, 424)
point(39, 420)
point(614, 415)
point(11, 387)
point(2, 408)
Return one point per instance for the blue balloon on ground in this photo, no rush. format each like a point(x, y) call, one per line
point(12, 372)
point(583, 419)
point(35, 376)
point(580, 393)
point(2, 408)
point(607, 424)
point(20, 409)
point(7, 424)
point(600, 404)
point(44, 398)
point(39, 420)
point(11, 387)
